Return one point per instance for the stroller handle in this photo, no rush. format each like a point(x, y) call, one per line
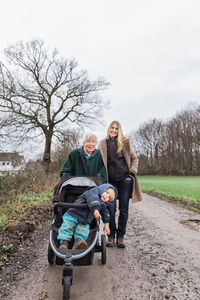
point(67, 205)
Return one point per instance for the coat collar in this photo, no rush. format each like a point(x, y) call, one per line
point(81, 150)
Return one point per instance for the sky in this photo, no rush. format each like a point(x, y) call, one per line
point(149, 50)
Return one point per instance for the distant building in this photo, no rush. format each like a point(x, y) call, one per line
point(10, 162)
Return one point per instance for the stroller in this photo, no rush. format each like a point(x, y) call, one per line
point(65, 193)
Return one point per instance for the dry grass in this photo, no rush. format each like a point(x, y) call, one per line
point(30, 188)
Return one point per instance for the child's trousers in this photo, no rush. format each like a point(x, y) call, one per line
point(71, 226)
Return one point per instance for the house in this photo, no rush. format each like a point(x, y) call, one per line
point(10, 162)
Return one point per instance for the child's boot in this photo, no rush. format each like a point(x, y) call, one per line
point(79, 244)
point(64, 245)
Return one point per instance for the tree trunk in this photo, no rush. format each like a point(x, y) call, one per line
point(46, 160)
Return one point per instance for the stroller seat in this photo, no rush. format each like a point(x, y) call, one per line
point(69, 194)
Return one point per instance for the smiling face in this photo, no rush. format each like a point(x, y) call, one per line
point(90, 144)
point(108, 195)
point(114, 130)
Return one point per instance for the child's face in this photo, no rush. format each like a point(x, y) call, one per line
point(108, 195)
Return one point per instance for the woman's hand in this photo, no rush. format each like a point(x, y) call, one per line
point(97, 214)
point(132, 174)
point(106, 228)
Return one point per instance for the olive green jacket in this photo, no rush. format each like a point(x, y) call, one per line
point(77, 165)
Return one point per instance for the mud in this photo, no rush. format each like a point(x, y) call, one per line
point(161, 261)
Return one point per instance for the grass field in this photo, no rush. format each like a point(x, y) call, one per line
point(183, 188)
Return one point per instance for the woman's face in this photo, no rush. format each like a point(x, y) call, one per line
point(114, 130)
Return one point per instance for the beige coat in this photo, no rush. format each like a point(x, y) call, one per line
point(132, 163)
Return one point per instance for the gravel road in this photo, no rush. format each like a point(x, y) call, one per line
point(161, 261)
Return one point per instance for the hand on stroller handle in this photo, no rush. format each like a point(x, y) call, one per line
point(97, 214)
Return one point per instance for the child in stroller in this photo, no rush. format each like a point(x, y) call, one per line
point(66, 193)
point(76, 221)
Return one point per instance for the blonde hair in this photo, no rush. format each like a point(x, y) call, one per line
point(120, 136)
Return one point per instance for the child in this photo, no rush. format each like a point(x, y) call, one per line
point(76, 221)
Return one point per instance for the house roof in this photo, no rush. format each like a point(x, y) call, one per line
point(11, 156)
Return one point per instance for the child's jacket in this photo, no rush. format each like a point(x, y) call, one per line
point(92, 197)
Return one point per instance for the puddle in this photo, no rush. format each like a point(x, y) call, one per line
point(193, 224)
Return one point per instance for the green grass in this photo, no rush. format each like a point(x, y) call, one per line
point(16, 209)
point(183, 188)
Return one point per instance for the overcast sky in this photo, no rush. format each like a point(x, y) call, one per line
point(149, 50)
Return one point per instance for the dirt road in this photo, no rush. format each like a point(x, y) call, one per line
point(161, 261)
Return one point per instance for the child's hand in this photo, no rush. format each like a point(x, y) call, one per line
point(97, 214)
point(106, 228)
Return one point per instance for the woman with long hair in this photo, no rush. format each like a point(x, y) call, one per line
point(121, 165)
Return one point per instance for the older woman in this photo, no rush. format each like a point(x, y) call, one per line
point(122, 164)
point(85, 161)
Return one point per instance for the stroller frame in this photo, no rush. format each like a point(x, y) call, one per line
point(69, 258)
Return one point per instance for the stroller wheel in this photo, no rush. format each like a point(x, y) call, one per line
point(66, 287)
point(103, 249)
point(51, 255)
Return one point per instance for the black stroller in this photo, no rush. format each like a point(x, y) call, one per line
point(66, 192)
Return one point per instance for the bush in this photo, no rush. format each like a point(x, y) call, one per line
point(20, 192)
point(27, 181)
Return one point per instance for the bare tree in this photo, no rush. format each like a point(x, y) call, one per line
point(71, 139)
point(186, 129)
point(42, 92)
point(171, 148)
point(147, 142)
